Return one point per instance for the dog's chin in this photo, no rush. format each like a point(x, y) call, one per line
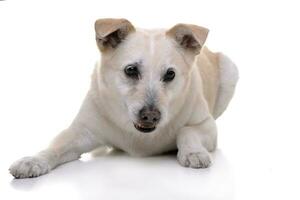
point(144, 129)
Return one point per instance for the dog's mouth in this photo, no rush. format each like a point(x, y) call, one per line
point(144, 128)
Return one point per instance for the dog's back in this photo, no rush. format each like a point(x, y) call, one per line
point(219, 76)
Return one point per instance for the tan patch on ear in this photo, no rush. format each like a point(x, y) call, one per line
point(110, 32)
point(188, 36)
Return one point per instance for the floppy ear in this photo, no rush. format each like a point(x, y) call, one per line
point(111, 32)
point(188, 36)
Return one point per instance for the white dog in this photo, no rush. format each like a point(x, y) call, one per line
point(153, 91)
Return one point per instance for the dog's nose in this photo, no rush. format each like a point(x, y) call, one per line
point(149, 115)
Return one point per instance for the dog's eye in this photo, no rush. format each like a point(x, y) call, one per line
point(169, 75)
point(132, 71)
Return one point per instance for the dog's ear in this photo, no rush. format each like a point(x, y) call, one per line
point(111, 32)
point(188, 36)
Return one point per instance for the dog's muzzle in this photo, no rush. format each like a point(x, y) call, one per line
point(148, 118)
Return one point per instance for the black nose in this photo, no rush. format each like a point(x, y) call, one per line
point(149, 115)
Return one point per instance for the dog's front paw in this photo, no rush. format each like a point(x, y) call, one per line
point(194, 159)
point(29, 167)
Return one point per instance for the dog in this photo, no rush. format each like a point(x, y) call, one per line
point(152, 91)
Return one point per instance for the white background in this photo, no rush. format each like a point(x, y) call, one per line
point(47, 53)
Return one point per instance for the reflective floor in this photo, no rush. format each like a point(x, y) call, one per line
point(116, 176)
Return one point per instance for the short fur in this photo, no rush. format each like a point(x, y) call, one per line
point(200, 92)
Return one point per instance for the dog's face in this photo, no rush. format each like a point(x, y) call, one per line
point(147, 70)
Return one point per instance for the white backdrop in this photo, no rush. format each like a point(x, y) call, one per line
point(47, 53)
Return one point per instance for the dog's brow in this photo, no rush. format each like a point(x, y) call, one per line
point(137, 63)
point(151, 44)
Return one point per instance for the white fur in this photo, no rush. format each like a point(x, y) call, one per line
point(110, 107)
point(228, 79)
point(152, 45)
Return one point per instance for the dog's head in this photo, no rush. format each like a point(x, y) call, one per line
point(148, 71)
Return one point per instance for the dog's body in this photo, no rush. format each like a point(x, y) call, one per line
point(174, 112)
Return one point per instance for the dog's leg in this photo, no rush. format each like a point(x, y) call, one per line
point(194, 143)
point(79, 138)
point(67, 146)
